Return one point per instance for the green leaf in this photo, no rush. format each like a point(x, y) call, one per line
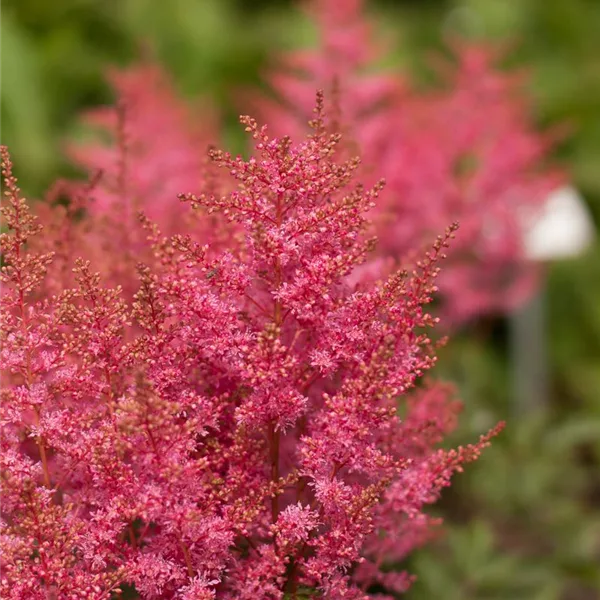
point(25, 115)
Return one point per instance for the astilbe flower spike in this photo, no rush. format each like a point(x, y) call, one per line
point(139, 154)
point(233, 433)
point(465, 150)
point(42, 538)
point(150, 146)
point(343, 63)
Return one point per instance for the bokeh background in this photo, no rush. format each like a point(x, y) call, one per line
point(524, 522)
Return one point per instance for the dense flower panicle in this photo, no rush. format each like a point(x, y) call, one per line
point(469, 152)
point(465, 150)
point(40, 537)
point(148, 149)
point(232, 431)
point(342, 64)
point(154, 148)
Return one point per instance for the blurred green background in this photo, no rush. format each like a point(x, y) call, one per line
point(524, 522)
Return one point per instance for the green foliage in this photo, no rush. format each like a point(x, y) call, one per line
point(469, 564)
point(530, 528)
point(25, 119)
point(574, 327)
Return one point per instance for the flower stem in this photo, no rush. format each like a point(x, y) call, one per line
point(274, 439)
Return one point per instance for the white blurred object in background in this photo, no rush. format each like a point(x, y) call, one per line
point(562, 229)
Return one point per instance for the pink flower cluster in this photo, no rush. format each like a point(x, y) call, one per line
point(464, 150)
point(225, 424)
point(225, 398)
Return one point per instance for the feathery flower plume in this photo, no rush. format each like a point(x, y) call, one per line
point(233, 433)
point(463, 151)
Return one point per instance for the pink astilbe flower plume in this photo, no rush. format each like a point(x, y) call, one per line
point(41, 536)
point(149, 146)
point(155, 148)
point(464, 151)
point(233, 432)
point(467, 150)
point(343, 64)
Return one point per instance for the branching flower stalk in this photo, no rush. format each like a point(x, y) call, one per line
point(230, 429)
